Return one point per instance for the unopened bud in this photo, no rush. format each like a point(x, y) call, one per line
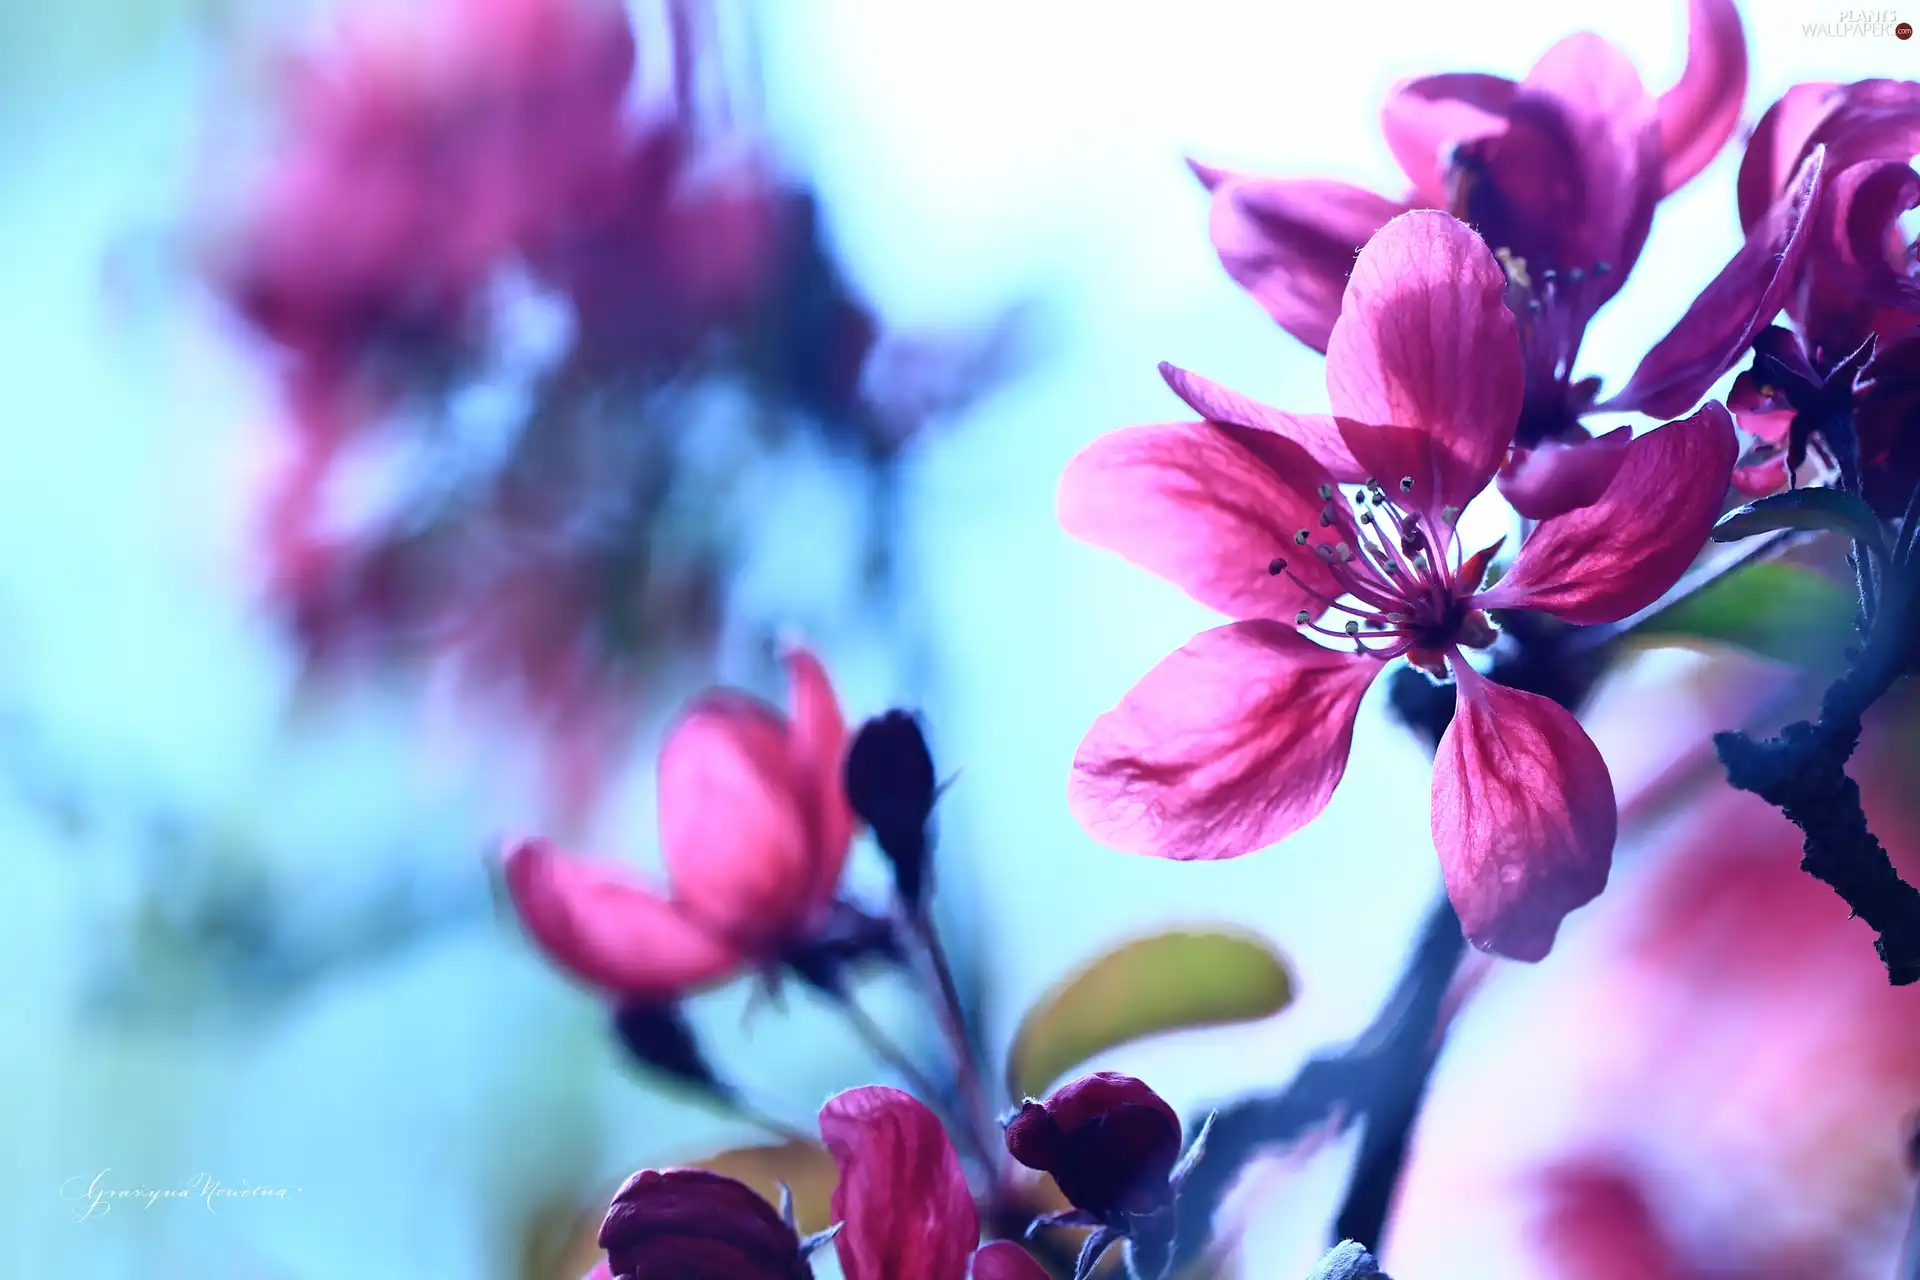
point(890, 784)
point(661, 1039)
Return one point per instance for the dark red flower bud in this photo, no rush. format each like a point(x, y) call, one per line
point(689, 1224)
point(891, 785)
point(661, 1039)
point(1109, 1141)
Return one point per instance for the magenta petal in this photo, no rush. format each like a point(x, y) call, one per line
point(1427, 117)
point(817, 740)
point(1730, 312)
point(1778, 144)
point(735, 833)
point(902, 1194)
point(1291, 244)
point(1701, 111)
point(1523, 816)
point(1606, 561)
point(1316, 433)
point(1203, 507)
point(1005, 1260)
point(1423, 369)
point(593, 920)
point(1864, 234)
point(1558, 476)
point(1232, 743)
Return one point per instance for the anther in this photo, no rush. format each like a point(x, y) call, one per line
point(1353, 628)
point(1343, 552)
point(1325, 552)
point(1326, 492)
point(1406, 484)
point(1278, 567)
point(1601, 268)
point(1533, 305)
point(1449, 514)
point(1366, 517)
point(1302, 618)
point(1300, 538)
point(1576, 275)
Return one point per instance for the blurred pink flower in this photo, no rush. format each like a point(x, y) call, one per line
point(420, 153)
point(1239, 738)
point(904, 1198)
point(1560, 173)
point(1723, 1077)
point(754, 829)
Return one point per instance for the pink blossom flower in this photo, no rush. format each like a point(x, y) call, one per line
point(1858, 280)
point(754, 830)
point(1560, 173)
point(903, 1196)
point(1239, 739)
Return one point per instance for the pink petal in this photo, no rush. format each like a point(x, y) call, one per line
point(1606, 561)
point(1767, 418)
point(1701, 111)
point(1202, 506)
point(1426, 118)
point(1778, 144)
point(734, 831)
point(1864, 235)
point(1210, 175)
point(1758, 479)
point(1730, 312)
point(902, 1193)
point(1558, 476)
point(594, 921)
point(1523, 816)
point(601, 1271)
point(1317, 433)
point(1004, 1260)
point(818, 740)
point(1425, 361)
point(1290, 243)
point(1229, 745)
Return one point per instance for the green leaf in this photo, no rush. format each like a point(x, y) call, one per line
point(1166, 982)
point(1811, 509)
point(1781, 611)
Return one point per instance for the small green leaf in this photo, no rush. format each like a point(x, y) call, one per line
point(1811, 509)
point(1165, 982)
point(1781, 611)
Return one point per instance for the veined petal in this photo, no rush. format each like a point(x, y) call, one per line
point(1523, 816)
point(1423, 369)
point(1606, 561)
point(1005, 1260)
point(817, 738)
point(902, 1195)
point(1716, 331)
point(595, 921)
point(1701, 111)
point(1290, 243)
point(1427, 117)
point(1232, 743)
point(1864, 234)
point(1778, 144)
point(1317, 433)
point(1202, 506)
point(1558, 476)
point(734, 832)
point(1573, 181)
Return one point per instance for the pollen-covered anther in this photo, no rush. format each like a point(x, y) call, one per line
point(1406, 484)
point(1300, 538)
point(1449, 514)
point(1326, 493)
point(1302, 618)
point(1353, 627)
point(1325, 552)
point(1277, 566)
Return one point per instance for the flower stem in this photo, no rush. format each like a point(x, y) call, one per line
point(884, 1048)
point(953, 1020)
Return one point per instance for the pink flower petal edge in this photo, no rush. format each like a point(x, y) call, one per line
point(1702, 110)
point(1425, 361)
point(1606, 561)
point(902, 1194)
point(1004, 1260)
point(1290, 243)
point(1200, 505)
point(1424, 118)
point(1317, 433)
point(595, 921)
point(1232, 743)
point(818, 741)
point(1523, 816)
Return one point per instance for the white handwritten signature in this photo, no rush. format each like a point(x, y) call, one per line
point(95, 1197)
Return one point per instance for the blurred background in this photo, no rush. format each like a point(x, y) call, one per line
point(351, 524)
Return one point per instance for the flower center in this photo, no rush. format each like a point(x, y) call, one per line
point(1403, 590)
